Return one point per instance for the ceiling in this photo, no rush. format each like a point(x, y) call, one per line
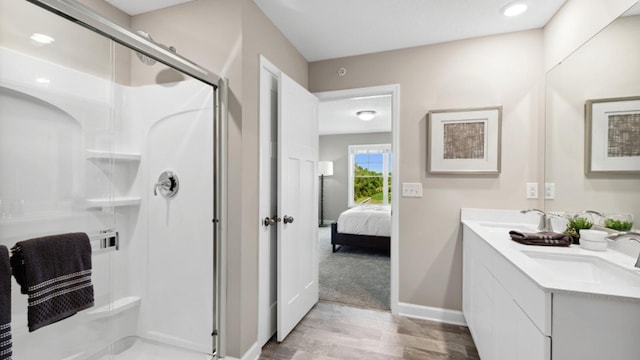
point(137, 7)
point(328, 29)
point(339, 116)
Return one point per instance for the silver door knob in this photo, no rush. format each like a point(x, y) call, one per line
point(270, 220)
point(287, 219)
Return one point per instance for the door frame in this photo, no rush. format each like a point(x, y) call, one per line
point(394, 91)
point(266, 318)
point(264, 123)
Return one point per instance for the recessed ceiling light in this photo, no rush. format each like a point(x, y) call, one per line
point(514, 9)
point(366, 115)
point(42, 39)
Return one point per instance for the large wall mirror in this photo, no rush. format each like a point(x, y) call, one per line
point(596, 91)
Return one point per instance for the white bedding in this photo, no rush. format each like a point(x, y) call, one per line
point(372, 220)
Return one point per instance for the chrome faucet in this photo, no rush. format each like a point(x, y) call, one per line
point(591, 212)
point(543, 225)
point(631, 235)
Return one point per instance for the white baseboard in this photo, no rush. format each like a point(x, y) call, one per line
point(431, 313)
point(252, 354)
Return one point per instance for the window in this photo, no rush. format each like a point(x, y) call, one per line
point(369, 174)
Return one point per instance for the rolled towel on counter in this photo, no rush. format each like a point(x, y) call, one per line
point(55, 273)
point(542, 238)
point(5, 304)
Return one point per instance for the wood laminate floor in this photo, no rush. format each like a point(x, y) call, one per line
point(332, 331)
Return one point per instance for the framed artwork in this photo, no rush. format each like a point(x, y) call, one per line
point(465, 141)
point(612, 136)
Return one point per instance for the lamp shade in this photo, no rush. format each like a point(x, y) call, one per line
point(325, 168)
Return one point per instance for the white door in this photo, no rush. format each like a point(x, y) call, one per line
point(297, 204)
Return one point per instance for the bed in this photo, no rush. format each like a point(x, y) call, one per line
point(365, 226)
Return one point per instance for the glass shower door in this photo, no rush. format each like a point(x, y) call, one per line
point(57, 169)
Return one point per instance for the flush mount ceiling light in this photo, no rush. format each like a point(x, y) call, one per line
point(366, 115)
point(514, 9)
point(41, 39)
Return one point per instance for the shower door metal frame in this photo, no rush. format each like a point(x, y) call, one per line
point(86, 17)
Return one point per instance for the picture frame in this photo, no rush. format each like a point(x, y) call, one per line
point(464, 141)
point(612, 136)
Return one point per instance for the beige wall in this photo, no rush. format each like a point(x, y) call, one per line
point(204, 32)
point(336, 148)
point(575, 23)
point(109, 11)
point(121, 54)
point(502, 70)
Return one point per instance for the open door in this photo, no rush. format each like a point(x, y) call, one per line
point(297, 204)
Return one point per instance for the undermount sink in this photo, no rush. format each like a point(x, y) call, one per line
point(585, 269)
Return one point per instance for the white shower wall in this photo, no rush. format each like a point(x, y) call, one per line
point(163, 270)
point(175, 131)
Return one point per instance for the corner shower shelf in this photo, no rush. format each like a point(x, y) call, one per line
point(117, 156)
point(113, 202)
point(114, 308)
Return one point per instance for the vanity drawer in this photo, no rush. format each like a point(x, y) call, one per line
point(534, 301)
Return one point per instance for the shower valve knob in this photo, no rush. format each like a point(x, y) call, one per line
point(167, 185)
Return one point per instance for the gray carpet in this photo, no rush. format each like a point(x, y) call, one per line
point(353, 276)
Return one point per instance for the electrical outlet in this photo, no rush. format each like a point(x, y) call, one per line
point(532, 190)
point(411, 189)
point(549, 191)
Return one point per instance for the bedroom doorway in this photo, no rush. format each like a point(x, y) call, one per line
point(363, 274)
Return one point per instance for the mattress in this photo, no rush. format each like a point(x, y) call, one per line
point(374, 220)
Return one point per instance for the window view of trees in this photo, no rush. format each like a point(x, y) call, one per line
point(369, 178)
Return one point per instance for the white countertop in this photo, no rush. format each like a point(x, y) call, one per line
point(480, 222)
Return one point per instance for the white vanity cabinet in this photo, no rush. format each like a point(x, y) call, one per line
point(508, 314)
point(543, 302)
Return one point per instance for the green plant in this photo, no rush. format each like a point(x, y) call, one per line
point(575, 225)
point(572, 232)
point(578, 223)
point(619, 225)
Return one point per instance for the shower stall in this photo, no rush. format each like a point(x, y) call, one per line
point(138, 168)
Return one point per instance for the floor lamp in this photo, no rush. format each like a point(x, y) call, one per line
point(325, 168)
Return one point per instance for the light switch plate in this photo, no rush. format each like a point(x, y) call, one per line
point(549, 191)
point(411, 189)
point(532, 190)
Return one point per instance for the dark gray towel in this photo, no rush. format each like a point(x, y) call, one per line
point(543, 238)
point(5, 304)
point(55, 272)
